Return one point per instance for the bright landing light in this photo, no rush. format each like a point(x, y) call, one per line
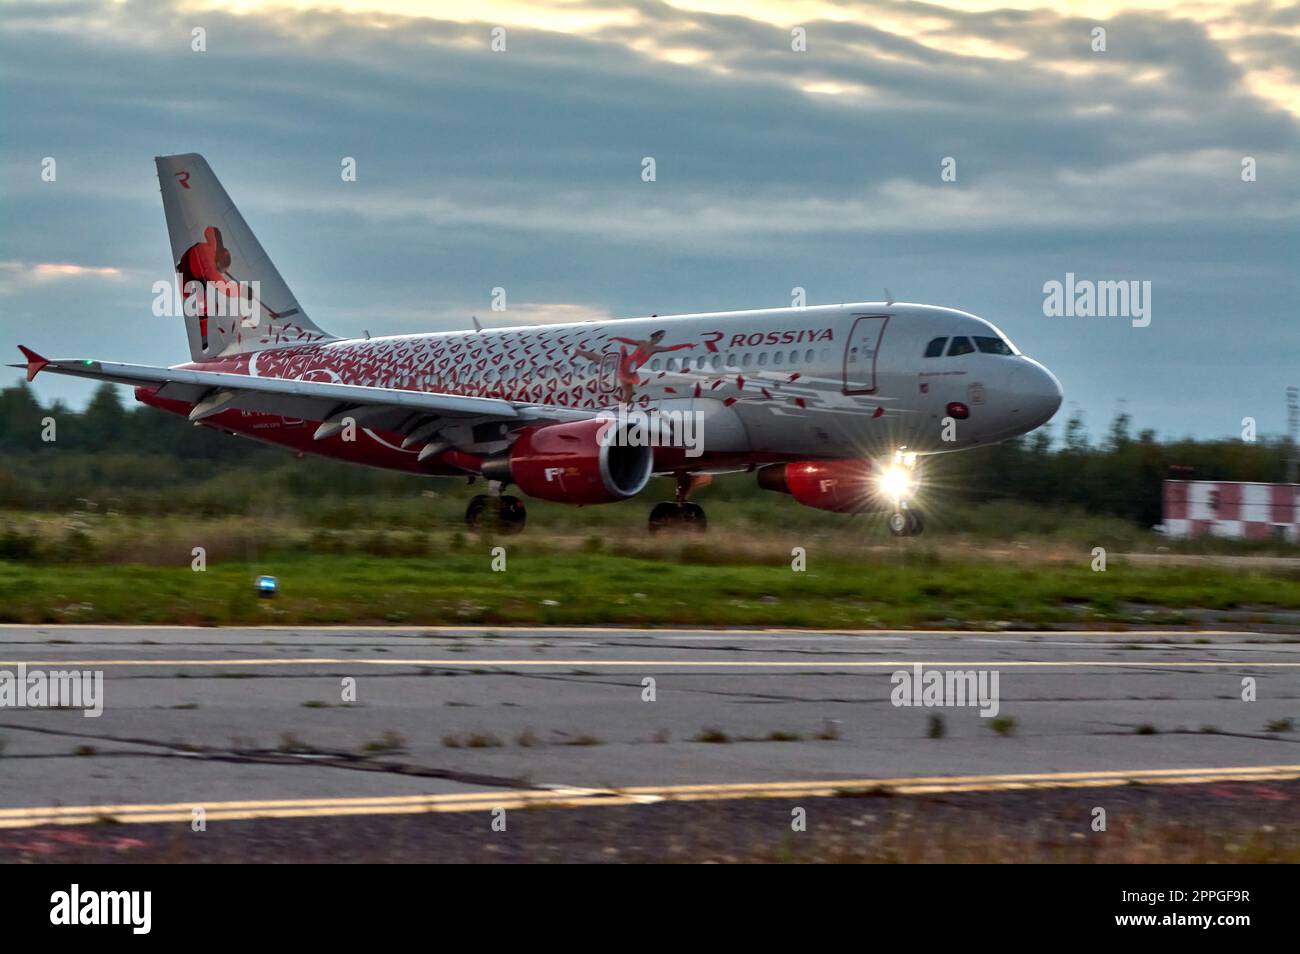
point(896, 482)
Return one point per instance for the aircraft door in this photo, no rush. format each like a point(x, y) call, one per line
point(861, 352)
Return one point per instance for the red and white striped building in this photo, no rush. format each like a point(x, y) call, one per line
point(1227, 508)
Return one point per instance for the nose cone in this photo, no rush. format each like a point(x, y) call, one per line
point(1036, 392)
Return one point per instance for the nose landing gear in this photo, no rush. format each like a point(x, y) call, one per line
point(906, 523)
point(898, 482)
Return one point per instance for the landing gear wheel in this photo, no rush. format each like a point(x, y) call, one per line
point(672, 516)
point(665, 516)
point(512, 516)
point(503, 515)
point(906, 523)
point(475, 511)
point(678, 513)
point(693, 518)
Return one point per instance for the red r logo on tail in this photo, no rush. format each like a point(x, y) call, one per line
point(185, 179)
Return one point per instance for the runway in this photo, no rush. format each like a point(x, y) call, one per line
point(253, 723)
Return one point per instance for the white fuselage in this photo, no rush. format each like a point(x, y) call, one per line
point(825, 381)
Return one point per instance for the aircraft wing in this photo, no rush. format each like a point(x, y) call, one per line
point(212, 392)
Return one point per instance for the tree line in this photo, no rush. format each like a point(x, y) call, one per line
point(141, 459)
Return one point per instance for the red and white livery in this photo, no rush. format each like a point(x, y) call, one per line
point(832, 404)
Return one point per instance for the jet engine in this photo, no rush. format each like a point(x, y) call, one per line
point(843, 486)
point(583, 462)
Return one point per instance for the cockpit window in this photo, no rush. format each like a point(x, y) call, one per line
point(935, 347)
point(960, 346)
point(993, 346)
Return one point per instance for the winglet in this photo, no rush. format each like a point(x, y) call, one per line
point(34, 361)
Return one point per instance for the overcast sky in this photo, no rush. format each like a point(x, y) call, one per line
point(775, 169)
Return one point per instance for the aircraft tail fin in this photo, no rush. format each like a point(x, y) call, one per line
point(245, 305)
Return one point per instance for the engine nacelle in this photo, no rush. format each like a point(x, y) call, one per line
point(843, 486)
point(584, 462)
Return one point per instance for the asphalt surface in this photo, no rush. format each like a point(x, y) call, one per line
point(1247, 822)
point(196, 716)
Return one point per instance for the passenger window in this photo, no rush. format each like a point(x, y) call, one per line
point(960, 346)
point(748, 359)
point(794, 357)
point(762, 358)
point(699, 364)
point(731, 360)
point(935, 347)
point(717, 362)
point(777, 357)
point(809, 355)
point(654, 365)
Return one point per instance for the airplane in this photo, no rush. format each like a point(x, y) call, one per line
point(835, 405)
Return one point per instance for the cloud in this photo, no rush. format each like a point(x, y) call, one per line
point(774, 168)
point(730, 35)
point(16, 276)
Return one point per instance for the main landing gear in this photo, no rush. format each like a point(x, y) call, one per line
point(679, 514)
point(501, 514)
point(671, 515)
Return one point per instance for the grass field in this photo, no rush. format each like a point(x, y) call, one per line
point(139, 571)
point(374, 560)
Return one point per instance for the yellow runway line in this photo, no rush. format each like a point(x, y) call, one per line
point(573, 797)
